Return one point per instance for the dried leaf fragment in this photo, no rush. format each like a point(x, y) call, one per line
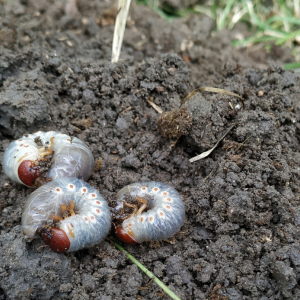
point(82, 123)
point(98, 165)
point(206, 153)
point(213, 90)
point(156, 107)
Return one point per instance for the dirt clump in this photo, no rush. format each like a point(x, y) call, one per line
point(174, 124)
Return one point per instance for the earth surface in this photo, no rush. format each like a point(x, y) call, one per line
point(240, 238)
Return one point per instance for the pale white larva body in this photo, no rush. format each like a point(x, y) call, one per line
point(71, 157)
point(90, 223)
point(165, 214)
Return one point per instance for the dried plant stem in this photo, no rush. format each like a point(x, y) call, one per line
point(120, 24)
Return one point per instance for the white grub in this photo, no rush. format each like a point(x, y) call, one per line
point(163, 219)
point(88, 223)
point(71, 156)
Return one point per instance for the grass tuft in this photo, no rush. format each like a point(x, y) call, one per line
point(271, 21)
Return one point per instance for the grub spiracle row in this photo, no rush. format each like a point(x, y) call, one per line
point(80, 216)
point(70, 157)
point(163, 218)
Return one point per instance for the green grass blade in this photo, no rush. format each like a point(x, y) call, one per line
point(274, 33)
point(289, 36)
point(292, 66)
point(204, 10)
point(254, 18)
point(296, 8)
point(291, 20)
point(214, 7)
point(225, 14)
point(150, 274)
point(257, 38)
point(239, 13)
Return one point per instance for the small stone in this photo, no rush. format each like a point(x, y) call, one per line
point(260, 93)
point(172, 71)
point(284, 275)
point(65, 288)
point(122, 124)
point(88, 282)
point(88, 97)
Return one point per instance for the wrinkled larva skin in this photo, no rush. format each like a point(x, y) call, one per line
point(162, 221)
point(88, 227)
point(72, 158)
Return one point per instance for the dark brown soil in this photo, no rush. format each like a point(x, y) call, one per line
point(240, 239)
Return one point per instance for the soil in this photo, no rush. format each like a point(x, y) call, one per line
point(240, 238)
